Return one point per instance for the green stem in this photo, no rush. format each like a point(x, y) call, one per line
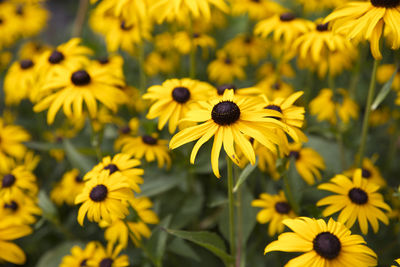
point(96, 140)
point(371, 92)
point(240, 246)
point(192, 70)
point(142, 73)
point(357, 72)
point(289, 193)
point(80, 18)
point(392, 147)
point(232, 242)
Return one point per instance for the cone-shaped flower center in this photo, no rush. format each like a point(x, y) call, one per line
point(287, 16)
point(56, 57)
point(8, 180)
point(358, 196)
point(221, 89)
point(225, 113)
point(26, 64)
point(294, 154)
point(125, 27)
point(385, 3)
point(112, 168)
point(149, 140)
point(98, 193)
point(366, 173)
point(78, 179)
point(322, 27)
point(282, 207)
point(106, 262)
point(80, 78)
point(181, 94)
point(327, 245)
point(12, 206)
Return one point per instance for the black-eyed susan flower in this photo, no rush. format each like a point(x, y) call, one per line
point(9, 230)
point(183, 42)
point(230, 120)
point(357, 199)
point(366, 20)
point(122, 164)
point(131, 128)
point(249, 92)
point(172, 99)
point(257, 10)
point(307, 161)
point(368, 171)
point(319, 5)
point(226, 68)
point(33, 49)
point(398, 263)
point(275, 209)
point(324, 244)
point(20, 209)
point(70, 89)
point(249, 46)
point(148, 147)
point(16, 182)
point(113, 64)
point(104, 197)
point(109, 256)
point(9, 30)
point(161, 63)
point(79, 257)
point(268, 69)
point(70, 186)
point(130, 10)
point(332, 106)
point(30, 19)
point(274, 87)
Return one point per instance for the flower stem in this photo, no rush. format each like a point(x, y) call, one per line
point(80, 18)
point(232, 242)
point(239, 209)
point(371, 92)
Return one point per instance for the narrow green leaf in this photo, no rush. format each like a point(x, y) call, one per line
point(42, 146)
point(157, 185)
point(244, 175)
point(84, 164)
point(156, 244)
point(46, 205)
point(207, 240)
point(384, 91)
point(181, 248)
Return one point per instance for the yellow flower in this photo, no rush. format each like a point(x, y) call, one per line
point(256, 10)
point(275, 209)
point(130, 10)
point(30, 19)
point(73, 87)
point(10, 230)
point(5, 59)
point(70, 186)
point(267, 69)
point(226, 68)
point(122, 164)
point(172, 100)
point(356, 199)
point(398, 263)
point(183, 42)
point(161, 62)
point(17, 182)
point(369, 171)
point(149, 147)
point(251, 47)
point(20, 209)
point(332, 106)
point(308, 162)
point(109, 256)
point(104, 197)
point(32, 49)
point(9, 30)
point(366, 20)
point(324, 244)
point(311, 6)
point(229, 119)
point(136, 103)
point(274, 87)
point(79, 257)
point(380, 116)
point(385, 72)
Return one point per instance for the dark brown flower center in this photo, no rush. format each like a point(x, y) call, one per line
point(83, 263)
point(12, 206)
point(385, 3)
point(112, 168)
point(287, 16)
point(322, 27)
point(228, 61)
point(276, 108)
point(282, 207)
point(8, 180)
point(366, 173)
point(225, 113)
point(295, 154)
point(147, 139)
point(98, 193)
point(56, 57)
point(181, 94)
point(104, 61)
point(78, 179)
point(125, 27)
point(358, 196)
point(276, 86)
point(80, 78)
point(125, 130)
point(107, 262)
point(26, 64)
point(221, 89)
point(327, 245)
point(19, 10)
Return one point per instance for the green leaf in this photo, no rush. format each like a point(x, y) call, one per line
point(384, 91)
point(46, 205)
point(53, 257)
point(156, 185)
point(181, 248)
point(207, 240)
point(84, 164)
point(42, 146)
point(294, 183)
point(157, 243)
point(244, 175)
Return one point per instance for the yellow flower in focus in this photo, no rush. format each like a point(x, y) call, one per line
point(356, 199)
point(226, 68)
point(330, 106)
point(172, 99)
point(275, 209)
point(251, 47)
point(308, 162)
point(70, 186)
point(324, 244)
point(257, 10)
point(79, 257)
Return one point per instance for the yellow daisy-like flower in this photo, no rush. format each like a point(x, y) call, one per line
point(183, 42)
point(104, 197)
point(122, 164)
point(248, 46)
point(256, 10)
point(17, 182)
point(161, 62)
point(226, 68)
point(284, 27)
point(366, 20)
point(268, 69)
point(70, 186)
point(369, 171)
point(30, 19)
point(356, 199)
point(113, 64)
point(275, 209)
point(172, 100)
point(250, 92)
point(21, 209)
point(398, 263)
point(73, 87)
point(79, 257)
point(311, 6)
point(130, 10)
point(324, 244)
point(109, 256)
point(149, 147)
point(274, 87)
point(266, 160)
point(308, 162)
point(176, 10)
point(331, 106)
point(9, 230)
point(33, 49)
point(230, 120)
point(9, 30)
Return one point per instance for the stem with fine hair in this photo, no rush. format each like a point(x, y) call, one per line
point(80, 18)
point(232, 239)
point(364, 132)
